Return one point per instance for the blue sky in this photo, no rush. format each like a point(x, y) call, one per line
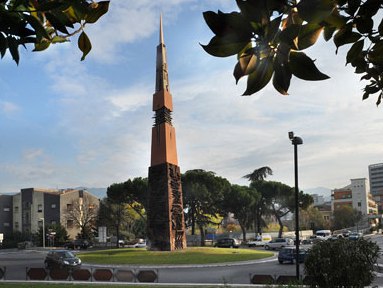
point(66, 123)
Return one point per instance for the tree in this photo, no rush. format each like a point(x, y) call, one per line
point(203, 194)
point(279, 199)
point(345, 216)
point(134, 193)
point(268, 37)
point(83, 213)
point(259, 175)
point(57, 232)
point(43, 23)
point(115, 216)
point(241, 201)
point(342, 263)
point(312, 219)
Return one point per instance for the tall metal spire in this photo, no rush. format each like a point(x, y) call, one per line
point(161, 31)
point(162, 81)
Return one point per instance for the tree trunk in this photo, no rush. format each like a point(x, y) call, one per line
point(243, 228)
point(202, 233)
point(192, 221)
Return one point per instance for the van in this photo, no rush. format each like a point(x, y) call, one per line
point(323, 234)
point(261, 240)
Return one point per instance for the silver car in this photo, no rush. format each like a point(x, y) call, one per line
point(279, 243)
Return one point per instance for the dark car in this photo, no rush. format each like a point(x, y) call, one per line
point(227, 243)
point(61, 259)
point(288, 254)
point(77, 244)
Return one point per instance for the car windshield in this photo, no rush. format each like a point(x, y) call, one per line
point(66, 254)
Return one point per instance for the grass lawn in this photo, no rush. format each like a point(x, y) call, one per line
point(141, 256)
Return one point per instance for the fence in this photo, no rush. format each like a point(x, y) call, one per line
point(93, 274)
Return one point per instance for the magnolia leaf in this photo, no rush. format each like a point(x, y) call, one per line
point(59, 39)
point(364, 24)
point(37, 26)
point(14, 49)
point(379, 99)
point(224, 24)
point(53, 5)
point(282, 76)
point(369, 8)
point(304, 68)
point(328, 32)
point(84, 44)
point(42, 45)
point(273, 28)
point(246, 65)
point(354, 51)
point(315, 11)
point(260, 76)
point(224, 46)
point(96, 11)
point(352, 6)
point(308, 35)
point(3, 45)
point(336, 20)
point(375, 55)
point(290, 34)
point(56, 23)
point(380, 28)
point(345, 36)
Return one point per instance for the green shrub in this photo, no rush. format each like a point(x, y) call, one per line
point(341, 263)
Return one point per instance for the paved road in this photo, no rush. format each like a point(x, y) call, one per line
point(235, 273)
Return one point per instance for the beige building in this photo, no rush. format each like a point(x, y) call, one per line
point(34, 207)
point(355, 195)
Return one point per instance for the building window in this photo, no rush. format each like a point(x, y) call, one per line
point(69, 224)
point(40, 208)
point(53, 206)
point(69, 207)
point(16, 209)
point(17, 225)
point(359, 204)
point(53, 222)
point(6, 224)
point(6, 209)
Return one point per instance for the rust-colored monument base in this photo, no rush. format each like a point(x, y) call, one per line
point(166, 228)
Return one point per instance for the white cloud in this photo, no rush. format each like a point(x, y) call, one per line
point(8, 108)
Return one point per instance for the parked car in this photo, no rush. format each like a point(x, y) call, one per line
point(227, 243)
point(77, 244)
point(279, 243)
point(140, 243)
point(61, 259)
point(261, 240)
point(288, 254)
point(307, 241)
point(355, 235)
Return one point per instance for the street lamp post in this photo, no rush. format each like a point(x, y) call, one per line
point(295, 140)
point(42, 219)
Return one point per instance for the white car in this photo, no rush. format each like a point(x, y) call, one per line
point(259, 241)
point(136, 244)
point(279, 243)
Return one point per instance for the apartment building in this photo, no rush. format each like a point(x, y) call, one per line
point(6, 214)
point(28, 210)
point(355, 195)
point(375, 172)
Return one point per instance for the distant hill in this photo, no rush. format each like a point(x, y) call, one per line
point(323, 191)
